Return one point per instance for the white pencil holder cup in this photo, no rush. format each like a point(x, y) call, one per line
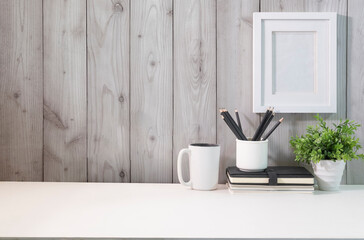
point(251, 156)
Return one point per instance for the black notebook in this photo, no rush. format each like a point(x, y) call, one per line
point(280, 175)
point(235, 188)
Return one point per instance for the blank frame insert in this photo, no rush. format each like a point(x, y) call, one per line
point(295, 62)
point(293, 73)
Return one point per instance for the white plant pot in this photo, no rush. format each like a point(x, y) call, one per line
point(328, 174)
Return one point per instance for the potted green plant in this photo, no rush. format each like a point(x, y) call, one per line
point(327, 150)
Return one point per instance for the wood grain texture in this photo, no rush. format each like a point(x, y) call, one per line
point(183, 68)
point(339, 6)
point(355, 75)
point(234, 73)
point(64, 90)
point(282, 5)
point(280, 151)
point(194, 74)
point(151, 91)
point(21, 90)
point(108, 91)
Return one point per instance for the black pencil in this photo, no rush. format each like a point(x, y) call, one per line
point(231, 128)
point(228, 117)
point(273, 128)
point(270, 118)
point(231, 123)
point(259, 129)
point(261, 125)
point(228, 123)
point(238, 119)
point(240, 132)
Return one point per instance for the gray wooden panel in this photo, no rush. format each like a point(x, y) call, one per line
point(198, 88)
point(341, 7)
point(151, 91)
point(194, 74)
point(21, 90)
point(355, 55)
point(282, 5)
point(234, 72)
point(65, 106)
point(108, 91)
point(280, 151)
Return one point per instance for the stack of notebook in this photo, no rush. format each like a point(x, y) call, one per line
point(281, 178)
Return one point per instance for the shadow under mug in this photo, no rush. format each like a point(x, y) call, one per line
point(251, 156)
point(204, 161)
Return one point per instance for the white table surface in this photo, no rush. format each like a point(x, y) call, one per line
point(107, 210)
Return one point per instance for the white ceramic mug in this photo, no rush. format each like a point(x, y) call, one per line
point(204, 166)
point(251, 156)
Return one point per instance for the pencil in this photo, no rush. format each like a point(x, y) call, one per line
point(265, 126)
point(261, 125)
point(228, 117)
point(238, 119)
point(231, 128)
point(228, 123)
point(240, 132)
point(231, 124)
point(273, 128)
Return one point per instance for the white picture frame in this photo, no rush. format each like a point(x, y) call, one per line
point(294, 62)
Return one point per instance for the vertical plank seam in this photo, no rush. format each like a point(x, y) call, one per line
point(129, 51)
point(172, 152)
point(260, 4)
point(43, 169)
point(346, 75)
point(216, 72)
point(346, 56)
point(260, 115)
point(87, 118)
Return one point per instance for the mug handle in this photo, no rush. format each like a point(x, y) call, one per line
point(179, 166)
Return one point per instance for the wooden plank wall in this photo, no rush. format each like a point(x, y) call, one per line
point(21, 90)
point(111, 90)
point(355, 80)
point(108, 91)
point(151, 90)
point(65, 107)
point(235, 71)
point(194, 75)
point(280, 151)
